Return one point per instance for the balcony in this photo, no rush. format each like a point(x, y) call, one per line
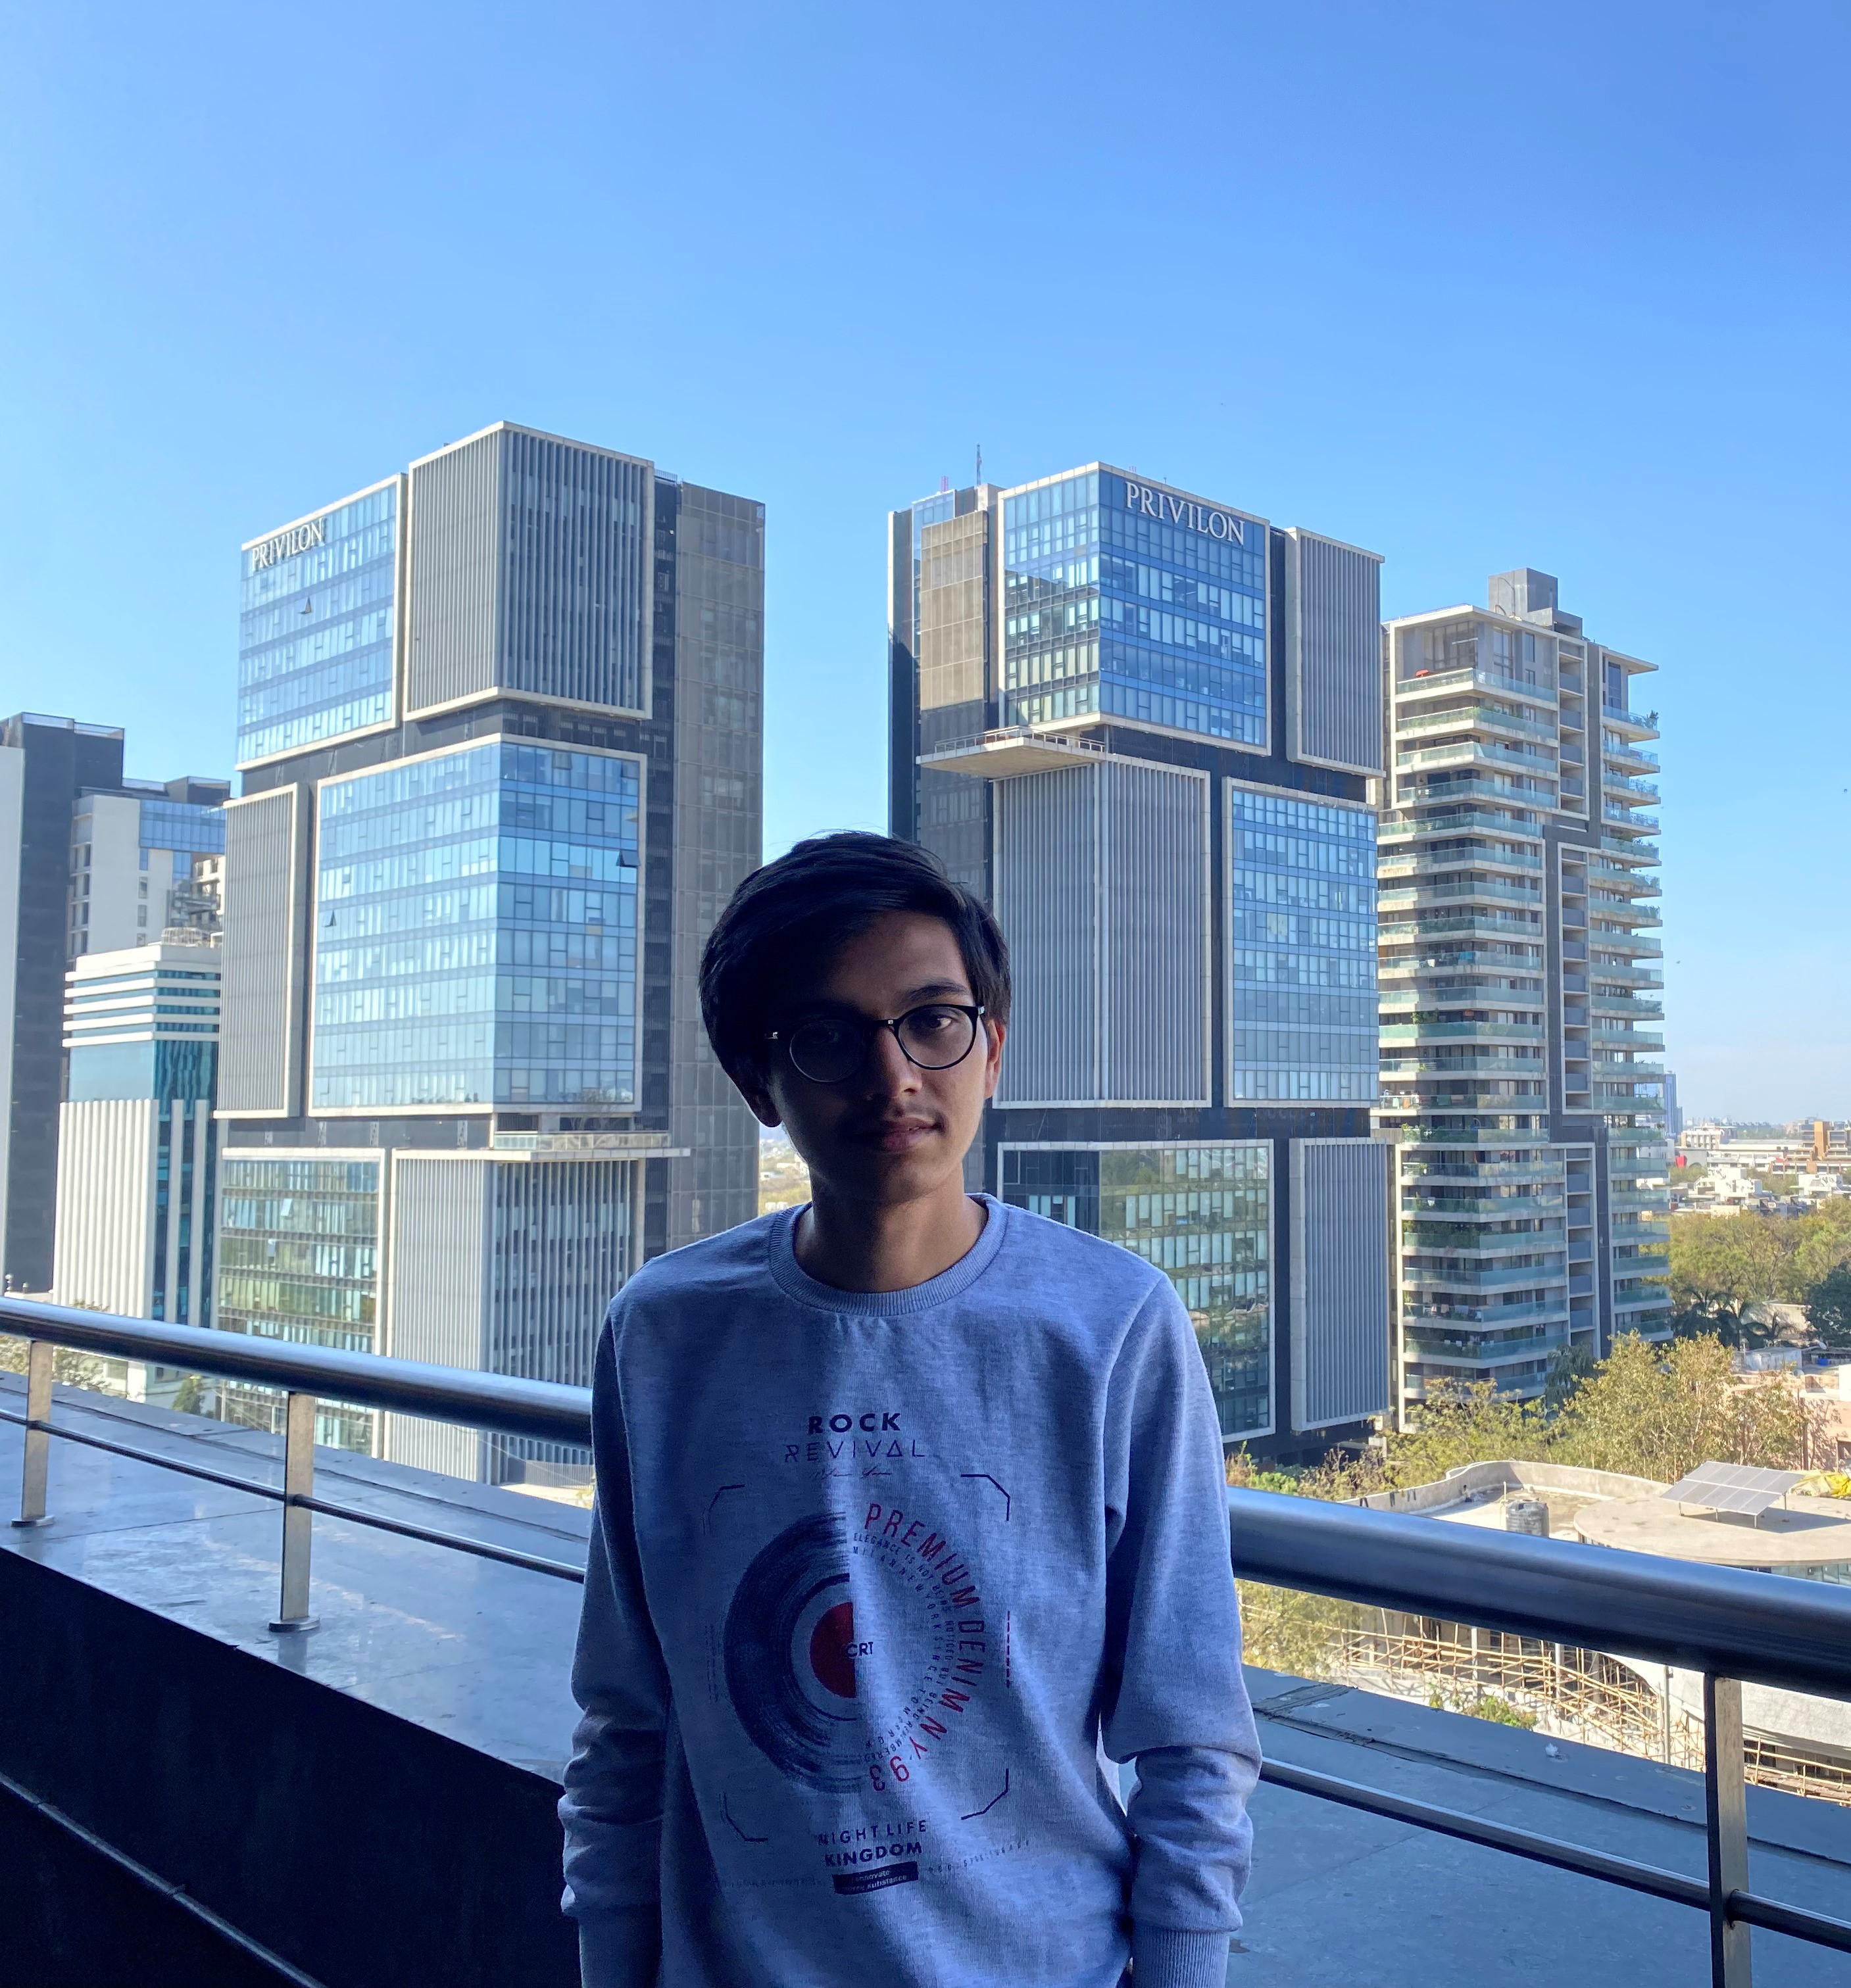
point(1459, 821)
point(1397, 896)
point(199, 1799)
point(1530, 799)
point(1482, 1318)
point(1472, 1031)
point(1474, 717)
point(1468, 1278)
point(1446, 683)
point(1428, 863)
point(1467, 751)
point(1452, 1350)
point(1643, 724)
point(1629, 852)
point(1492, 924)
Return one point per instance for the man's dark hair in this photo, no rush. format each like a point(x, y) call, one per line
point(801, 908)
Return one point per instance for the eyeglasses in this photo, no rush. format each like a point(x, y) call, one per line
point(833, 1048)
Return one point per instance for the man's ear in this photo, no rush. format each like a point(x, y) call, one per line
point(993, 1058)
point(749, 1080)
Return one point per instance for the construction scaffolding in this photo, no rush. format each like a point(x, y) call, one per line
point(1553, 1689)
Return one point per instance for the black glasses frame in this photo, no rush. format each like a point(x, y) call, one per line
point(872, 1027)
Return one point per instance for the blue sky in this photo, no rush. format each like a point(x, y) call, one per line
point(1475, 285)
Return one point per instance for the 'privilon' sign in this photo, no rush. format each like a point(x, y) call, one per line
point(1152, 503)
point(286, 544)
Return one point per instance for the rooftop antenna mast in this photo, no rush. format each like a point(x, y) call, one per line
point(979, 462)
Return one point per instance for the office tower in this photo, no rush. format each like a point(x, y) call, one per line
point(1144, 725)
point(143, 855)
point(500, 741)
point(46, 765)
point(136, 1143)
point(1519, 975)
point(1674, 1116)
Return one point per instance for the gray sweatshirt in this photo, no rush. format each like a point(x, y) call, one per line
point(878, 1582)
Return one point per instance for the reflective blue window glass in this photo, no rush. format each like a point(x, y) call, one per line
point(191, 826)
point(476, 932)
point(1301, 943)
point(1123, 599)
point(319, 628)
point(1202, 1216)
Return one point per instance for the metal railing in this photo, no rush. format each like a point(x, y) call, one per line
point(1730, 1625)
point(304, 1375)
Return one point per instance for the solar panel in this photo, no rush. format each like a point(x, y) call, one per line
point(1733, 1487)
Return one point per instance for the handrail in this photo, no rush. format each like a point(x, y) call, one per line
point(498, 1401)
point(1763, 1628)
point(1728, 1624)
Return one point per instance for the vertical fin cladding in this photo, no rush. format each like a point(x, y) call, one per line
point(1340, 1301)
point(454, 574)
point(1102, 892)
point(442, 1267)
point(1047, 882)
point(1333, 676)
point(261, 1027)
point(1156, 969)
point(575, 597)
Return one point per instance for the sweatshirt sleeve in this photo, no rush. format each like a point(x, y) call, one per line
point(612, 1807)
point(1174, 1698)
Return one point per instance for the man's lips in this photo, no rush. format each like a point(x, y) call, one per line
point(893, 1135)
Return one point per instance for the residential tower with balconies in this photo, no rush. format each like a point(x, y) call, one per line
point(1521, 991)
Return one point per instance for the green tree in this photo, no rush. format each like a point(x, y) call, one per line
point(1829, 1306)
point(1659, 1411)
point(1571, 1366)
point(1721, 1265)
point(1821, 1244)
point(1465, 1422)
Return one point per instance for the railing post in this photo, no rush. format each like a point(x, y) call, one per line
point(297, 1521)
point(38, 1353)
point(1726, 1802)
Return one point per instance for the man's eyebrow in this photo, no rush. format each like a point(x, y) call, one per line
point(933, 990)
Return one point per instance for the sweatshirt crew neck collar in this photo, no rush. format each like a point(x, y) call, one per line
point(796, 1281)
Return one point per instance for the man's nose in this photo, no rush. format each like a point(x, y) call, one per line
point(888, 1070)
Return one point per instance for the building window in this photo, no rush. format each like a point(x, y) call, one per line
point(1202, 1216)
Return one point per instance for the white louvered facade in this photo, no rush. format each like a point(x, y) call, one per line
point(1102, 890)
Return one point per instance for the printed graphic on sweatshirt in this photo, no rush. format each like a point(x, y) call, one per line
point(855, 1645)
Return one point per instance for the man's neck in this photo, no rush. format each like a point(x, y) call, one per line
point(859, 1246)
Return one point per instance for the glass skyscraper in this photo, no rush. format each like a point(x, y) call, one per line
point(1146, 725)
point(500, 730)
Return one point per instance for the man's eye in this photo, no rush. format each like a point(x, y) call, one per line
point(822, 1035)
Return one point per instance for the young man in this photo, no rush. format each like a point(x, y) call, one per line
point(910, 1517)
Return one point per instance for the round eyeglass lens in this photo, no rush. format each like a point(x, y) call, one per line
point(829, 1052)
point(936, 1038)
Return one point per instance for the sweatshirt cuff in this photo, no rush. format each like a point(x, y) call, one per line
point(619, 1949)
point(1161, 1959)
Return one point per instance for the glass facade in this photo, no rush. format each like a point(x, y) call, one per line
point(1302, 947)
point(1202, 1215)
point(475, 932)
point(298, 1260)
point(1135, 603)
point(190, 826)
point(318, 632)
point(184, 1167)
